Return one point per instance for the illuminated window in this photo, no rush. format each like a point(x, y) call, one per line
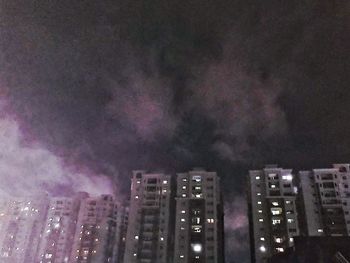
point(260, 211)
point(197, 248)
point(197, 178)
point(262, 239)
point(261, 220)
point(165, 181)
point(262, 248)
point(196, 220)
point(290, 220)
point(257, 177)
point(279, 249)
point(276, 221)
point(276, 210)
point(196, 229)
point(287, 177)
point(278, 240)
point(275, 203)
point(48, 255)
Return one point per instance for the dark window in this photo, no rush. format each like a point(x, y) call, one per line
point(152, 181)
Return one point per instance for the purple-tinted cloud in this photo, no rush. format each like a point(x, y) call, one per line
point(236, 227)
point(27, 168)
point(241, 105)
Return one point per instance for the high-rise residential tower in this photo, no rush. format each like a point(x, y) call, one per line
point(122, 226)
point(21, 225)
point(149, 227)
point(272, 211)
point(58, 234)
point(95, 231)
point(325, 199)
point(199, 218)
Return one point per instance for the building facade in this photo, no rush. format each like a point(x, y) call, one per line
point(58, 234)
point(21, 225)
point(272, 210)
point(325, 198)
point(149, 228)
point(199, 218)
point(95, 233)
point(122, 226)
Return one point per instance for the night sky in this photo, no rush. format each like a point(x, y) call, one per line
point(90, 90)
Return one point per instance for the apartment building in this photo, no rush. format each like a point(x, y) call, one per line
point(57, 237)
point(148, 236)
point(199, 218)
point(22, 221)
point(95, 230)
point(272, 210)
point(325, 199)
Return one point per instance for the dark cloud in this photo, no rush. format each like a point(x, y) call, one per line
point(229, 85)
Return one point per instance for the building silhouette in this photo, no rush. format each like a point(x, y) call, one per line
point(312, 205)
point(272, 208)
point(149, 233)
point(199, 218)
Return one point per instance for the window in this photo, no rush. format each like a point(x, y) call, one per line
point(196, 220)
point(197, 229)
point(196, 178)
point(152, 181)
point(278, 240)
point(276, 210)
point(262, 248)
point(287, 177)
point(273, 176)
point(276, 221)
